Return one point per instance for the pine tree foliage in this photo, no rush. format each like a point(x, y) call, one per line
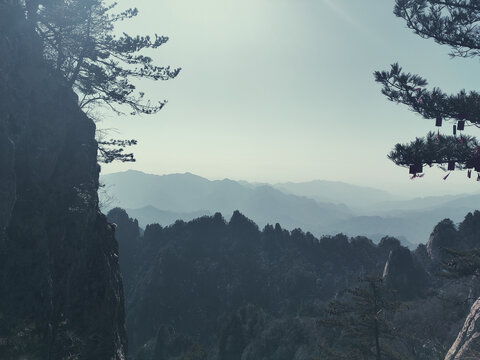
point(79, 41)
point(463, 263)
point(434, 149)
point(364, 323)
point(113, 149)
point(449, 22)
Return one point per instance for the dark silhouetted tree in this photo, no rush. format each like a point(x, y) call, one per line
point(449, 22)
point(362, 321)
point(79, 41)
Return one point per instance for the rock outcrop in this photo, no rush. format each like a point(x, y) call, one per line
point(467, 344)
point(443, 237)
point(61, 292)
point(404, 275)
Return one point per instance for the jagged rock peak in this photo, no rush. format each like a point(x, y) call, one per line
point(403, 274)
point(444, 236)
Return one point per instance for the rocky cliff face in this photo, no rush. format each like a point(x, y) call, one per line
point(467, 346)
point(444, 236)
point(404, 274)
point(61, 293)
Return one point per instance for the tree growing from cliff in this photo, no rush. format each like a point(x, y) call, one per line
point(79, 41)
point(362, 323)
point(453, 23)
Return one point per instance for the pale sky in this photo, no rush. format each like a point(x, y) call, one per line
point(283, 90)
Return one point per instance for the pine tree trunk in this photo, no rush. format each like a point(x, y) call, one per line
point(377, 340)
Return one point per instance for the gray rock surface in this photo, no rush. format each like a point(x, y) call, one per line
point(466, 346)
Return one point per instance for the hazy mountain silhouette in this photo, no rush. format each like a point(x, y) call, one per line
point(164, 199)
point(336, 192)
point(190, 195)
point(421, 203)
point(415, 223)
point(150, 215)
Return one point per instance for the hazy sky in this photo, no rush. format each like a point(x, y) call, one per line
point(282, 90)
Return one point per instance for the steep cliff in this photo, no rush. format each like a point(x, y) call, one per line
point(444, 236)
point(466, 346)
point(61, 293)
point(403, 274)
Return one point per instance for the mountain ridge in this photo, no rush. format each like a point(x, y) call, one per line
point(187, 195)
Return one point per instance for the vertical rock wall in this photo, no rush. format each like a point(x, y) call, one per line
point(61, 293)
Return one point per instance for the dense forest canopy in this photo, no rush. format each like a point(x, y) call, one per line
point(213, 287)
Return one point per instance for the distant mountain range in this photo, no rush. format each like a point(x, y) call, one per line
point(321, 207)
point(336, 192)
point(183, 195)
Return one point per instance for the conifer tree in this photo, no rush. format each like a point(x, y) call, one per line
point(362, 322)
point(448, 22)
point(79, 42)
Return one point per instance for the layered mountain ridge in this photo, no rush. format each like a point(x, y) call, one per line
point(163, 199)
